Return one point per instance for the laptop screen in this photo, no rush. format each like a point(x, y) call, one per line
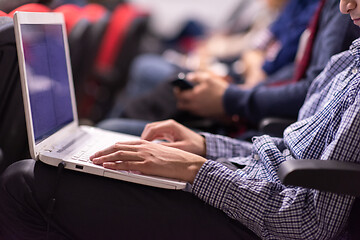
point(47, 78)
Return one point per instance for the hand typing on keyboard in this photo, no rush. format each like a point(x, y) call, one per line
point(179, 158)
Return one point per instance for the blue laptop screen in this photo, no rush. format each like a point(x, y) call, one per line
point(47, 78)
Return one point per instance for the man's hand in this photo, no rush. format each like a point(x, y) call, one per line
point(252, 62)
point(206, 98)
point(151, 159)
point(176, 135)
point(173, 159)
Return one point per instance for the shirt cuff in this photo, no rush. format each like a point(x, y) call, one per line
point(211, 149)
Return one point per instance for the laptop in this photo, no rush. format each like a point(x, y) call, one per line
point(49, 102)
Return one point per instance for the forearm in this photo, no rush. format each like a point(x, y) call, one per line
point(264, 101)
point(270, 209)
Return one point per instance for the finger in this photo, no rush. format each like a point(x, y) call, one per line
point(149, 131)
point(191, 76)
point(179, 94)
point(186, 103)
point(158, 130)
point(176, 91)
point(183, 105)
point(115, 147)
point(164, 136)
point(187, 95)
point(197, 77)
point(117, 156)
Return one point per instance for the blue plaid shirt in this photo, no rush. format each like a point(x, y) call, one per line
point(328, 127)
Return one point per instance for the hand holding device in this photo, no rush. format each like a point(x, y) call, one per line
point(182, 83)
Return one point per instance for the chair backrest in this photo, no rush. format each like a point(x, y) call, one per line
point(1, 157)
point(31, 7)
point(113, 39)
point(118, 48)
point(13, 140)
point(79, 39)
point(130, 49)
point(3, 14)
point(84, 41)
point(72, 15)
point(84, 78)
point(85, 26)
point(93, 12)
point(102, 47)
point(9, 5)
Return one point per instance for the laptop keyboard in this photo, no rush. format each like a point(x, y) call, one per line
point(83, 145)
point(84, 153)
point(92, 146)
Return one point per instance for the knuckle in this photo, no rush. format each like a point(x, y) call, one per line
point(148, 164)
point(116, 146)
point(119, 154)
point(103, 159)
point(149, 126)
point(97, 154)
point(142, 142)
point(124, 165)
point(143, 155)
point(171, 121)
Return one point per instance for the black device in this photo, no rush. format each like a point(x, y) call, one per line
point(181, 82)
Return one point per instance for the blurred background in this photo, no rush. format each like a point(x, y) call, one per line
point(122, 51)
point(169, 16)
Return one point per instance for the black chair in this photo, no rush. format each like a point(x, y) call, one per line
point(274, 126)
point(117, 79)
point(84, 42)
point(330, 176)
point(78, 45)
point(1, 156)
point(13, 141)
point(110, 83)
point(96, 33)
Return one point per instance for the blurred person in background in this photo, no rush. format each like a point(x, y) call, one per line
point(220, 49)
point(331, 33)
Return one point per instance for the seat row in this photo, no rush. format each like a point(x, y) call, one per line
point(102, 45)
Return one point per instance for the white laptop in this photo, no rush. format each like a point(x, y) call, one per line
point(49, 102)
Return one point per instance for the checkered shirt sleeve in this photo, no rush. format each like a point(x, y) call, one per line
point(328, 128)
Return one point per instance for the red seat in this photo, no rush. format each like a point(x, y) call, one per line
point(111, 44)
point(72, 15)
point(3, 14)
point(117, 49)
point(31, 7)
point(93, 12)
